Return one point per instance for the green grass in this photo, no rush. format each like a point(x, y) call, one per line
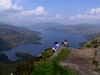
point(52, 67)
point(46, 54)
point(93, 44)
point(88, 46)
point(95, 63)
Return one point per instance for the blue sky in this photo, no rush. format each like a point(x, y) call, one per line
point(25, 12)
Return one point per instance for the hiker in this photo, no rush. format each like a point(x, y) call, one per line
point(62, 43)
point(65, 43)
point(54, 49)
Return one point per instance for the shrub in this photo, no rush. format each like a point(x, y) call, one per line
point(95, 63)
point(88, 46)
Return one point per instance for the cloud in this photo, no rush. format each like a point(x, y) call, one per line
point(6, 6)
point(94, 11)
point(15, 14)
point(57, 16)
point(92, 14)
point(39, 11)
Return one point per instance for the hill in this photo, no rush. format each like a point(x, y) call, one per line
point(11, 36)
point(95, 44)
point(86, 60)
point(44, 25)
point(89, 31)
point(42, 65)
point(66, 61)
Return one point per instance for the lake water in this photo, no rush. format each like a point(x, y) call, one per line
point(48, 39)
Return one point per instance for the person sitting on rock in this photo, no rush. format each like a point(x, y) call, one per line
point(65, 43)
point(54, 49)
point(62, 43)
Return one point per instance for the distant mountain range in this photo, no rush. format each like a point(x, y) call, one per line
point(45, 25)
point(89, 31)
point(11, 36)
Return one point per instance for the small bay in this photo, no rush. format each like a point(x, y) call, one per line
point(48, 39)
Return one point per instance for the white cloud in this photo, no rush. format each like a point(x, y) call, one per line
point(92, 14)
point(94, 11)
point(57, 16)
point(6, 6)
point(40, 18)
point(38, 12)
point(72, 17)
point(13, 13)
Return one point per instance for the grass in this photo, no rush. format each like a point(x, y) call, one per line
point(88, 46)
point(46, 54)
point(95, 63)
point(93, 44)
point(52, 67)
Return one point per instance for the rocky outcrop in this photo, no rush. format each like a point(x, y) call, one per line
point(95, 44)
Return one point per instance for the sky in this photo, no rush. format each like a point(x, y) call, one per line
point(26, 12)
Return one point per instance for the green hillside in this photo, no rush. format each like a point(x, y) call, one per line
point(36, 66)
point(49, 63)
point(12, 36)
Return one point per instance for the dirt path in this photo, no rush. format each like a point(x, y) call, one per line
point(81, 61)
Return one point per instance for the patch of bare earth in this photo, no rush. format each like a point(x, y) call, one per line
point(81, 61)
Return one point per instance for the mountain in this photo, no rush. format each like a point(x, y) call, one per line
point(11, 36)
point(44, 25)
point(89, 31)
point(66, 61)
point(4, 44)
point(85, 29)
